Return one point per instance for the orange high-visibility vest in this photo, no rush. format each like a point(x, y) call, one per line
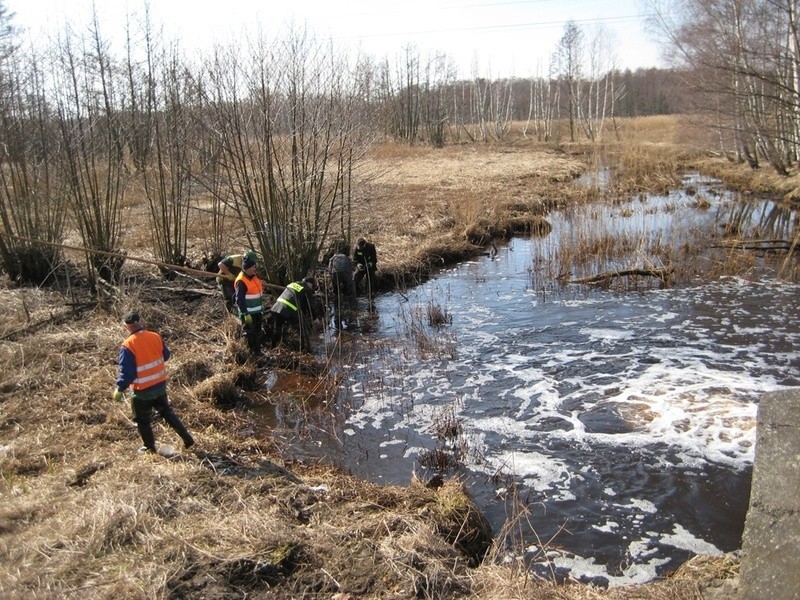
point(148, 350)
point(254, 294)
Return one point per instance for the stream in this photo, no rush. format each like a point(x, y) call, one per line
point(620, 420)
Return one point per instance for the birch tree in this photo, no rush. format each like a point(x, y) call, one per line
point(741, 60)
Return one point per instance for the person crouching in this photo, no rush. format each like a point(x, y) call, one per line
point(296, 306)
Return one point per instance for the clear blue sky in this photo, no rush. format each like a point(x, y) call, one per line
point(500, 37)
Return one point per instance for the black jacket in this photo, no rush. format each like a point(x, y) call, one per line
point(366, 255)
point(296, 300)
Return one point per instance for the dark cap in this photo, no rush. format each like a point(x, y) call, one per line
point(248, 262)
point(131, 317)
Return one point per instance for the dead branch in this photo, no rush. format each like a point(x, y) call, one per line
point(662, 274)
point(764, 245)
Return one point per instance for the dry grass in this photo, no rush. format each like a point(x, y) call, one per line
point(84, 516)
point(448, 197)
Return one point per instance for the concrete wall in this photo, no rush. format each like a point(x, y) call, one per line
point(770, 567)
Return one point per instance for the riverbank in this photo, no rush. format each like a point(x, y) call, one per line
point(428, 207)
point(84, 515)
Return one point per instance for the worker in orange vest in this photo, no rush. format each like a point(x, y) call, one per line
point(142, 367)
point(249, 294)
point(229, 269)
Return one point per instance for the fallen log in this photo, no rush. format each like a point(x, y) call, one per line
point(764, 245)
point(161, 265)
point(662, 274)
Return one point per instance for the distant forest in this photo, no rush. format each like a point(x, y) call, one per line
point(645, 92)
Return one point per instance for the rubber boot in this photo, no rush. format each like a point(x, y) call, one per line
point(173, 421)
point(146, 432)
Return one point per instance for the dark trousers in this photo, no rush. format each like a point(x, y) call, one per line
point(279, 321)
point(254, 333)
point(344, 296)
point(228, 296)
point(360, 275)
point(142, 411)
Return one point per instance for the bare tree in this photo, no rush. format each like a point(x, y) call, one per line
point(741, 59)
point(400, 95)
point(568, 61)
point(599, 99)
point(162, 117)
point(542, 99)
point(32, 204)
point(287, 121)
point(483, 108)
point(91, 161)
point(8, 31)
point(439, 73)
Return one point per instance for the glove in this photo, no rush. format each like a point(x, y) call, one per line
point(119, 396)
point(247, 319)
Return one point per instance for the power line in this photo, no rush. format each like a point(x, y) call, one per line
point(506, 27)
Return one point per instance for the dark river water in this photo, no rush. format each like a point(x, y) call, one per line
point(622, 420)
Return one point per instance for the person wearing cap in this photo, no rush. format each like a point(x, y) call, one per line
point(141, 362)
point(229, 269)
point(340, 268)
point(248, 295)
point(365, 257)
point(298, 307)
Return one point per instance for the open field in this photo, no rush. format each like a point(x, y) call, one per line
point(83, 515)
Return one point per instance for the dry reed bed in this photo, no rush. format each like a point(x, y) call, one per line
point(419, 204)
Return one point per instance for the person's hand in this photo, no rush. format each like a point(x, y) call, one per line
point(118, 396)
point(247, 319)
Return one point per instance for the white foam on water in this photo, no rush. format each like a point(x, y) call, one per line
point(640, 571)
point(413, 451)
point(478, 379)
point(595, 334)
point(608, 526)
point(542, 384)
point(681, 538)
point(640, 505)
point(538, 471)
point(394, 442)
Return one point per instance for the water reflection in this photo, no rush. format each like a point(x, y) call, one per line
point(757, 219)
